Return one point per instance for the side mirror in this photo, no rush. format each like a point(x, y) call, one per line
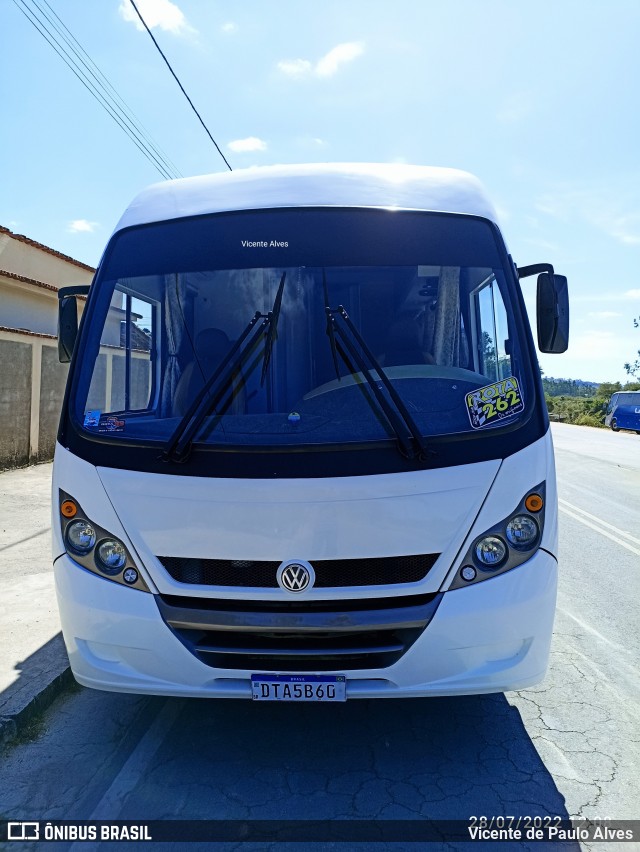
point(68, 320)
point(552, 313)
point(67, 328)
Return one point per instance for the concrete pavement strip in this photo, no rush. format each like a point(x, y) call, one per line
point(34, 668)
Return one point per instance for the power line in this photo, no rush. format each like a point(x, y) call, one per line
point(107, 86)
point(104, 98)
point(50, 38)
point(126, 122)
point(144, 23)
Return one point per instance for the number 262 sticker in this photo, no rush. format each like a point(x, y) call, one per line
point(488, 405)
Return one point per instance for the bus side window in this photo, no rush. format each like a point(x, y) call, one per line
point(490, 331)
point(137, 336)
point(125, 380)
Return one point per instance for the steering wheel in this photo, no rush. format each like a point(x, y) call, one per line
point(405, 371)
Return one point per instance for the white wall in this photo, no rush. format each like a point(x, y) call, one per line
point(25, 305)
point(38, 263)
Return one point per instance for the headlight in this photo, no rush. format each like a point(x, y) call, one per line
point(522, 532)
point(111, 556)
point(95, 548)
point(507, 544)
point(491, 551)
point(81, 537)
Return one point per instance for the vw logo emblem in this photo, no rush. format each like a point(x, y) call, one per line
point(295, 576)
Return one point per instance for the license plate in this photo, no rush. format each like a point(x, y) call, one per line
point(298, 687)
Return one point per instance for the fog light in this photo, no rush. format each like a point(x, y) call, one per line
point(130, 576)
point(111, 556)
point(522, 532)
point(81, 537)
point(491, 551)
point(468, 573)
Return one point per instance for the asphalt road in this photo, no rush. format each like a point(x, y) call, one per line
point(569, 747)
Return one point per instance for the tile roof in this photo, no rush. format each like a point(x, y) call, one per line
point(26, 280)
point(28, 333)
point(55, 253)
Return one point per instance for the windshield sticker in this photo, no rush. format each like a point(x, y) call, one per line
point(111, 423)
point(91, 419)
point(492, 403)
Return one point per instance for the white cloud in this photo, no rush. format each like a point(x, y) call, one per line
point(594, 354)
point(327, 65)
point(545, 245)
point(632, 294)
point(611, 210)
point(251, 143)
point(229, 27)
point(157, 13)
point(82, 226)
point(340, 54)
point(604, 314)
point(551, 206)
point(504, 214)
point(295, 67)
point(625, 229)
point(310, 143)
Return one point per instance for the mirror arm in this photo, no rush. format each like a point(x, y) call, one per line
point(534, 269)
point(76, 290)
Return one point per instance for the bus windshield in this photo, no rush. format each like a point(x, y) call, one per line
point(427, 293)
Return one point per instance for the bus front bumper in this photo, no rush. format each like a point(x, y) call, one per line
point(491, 636)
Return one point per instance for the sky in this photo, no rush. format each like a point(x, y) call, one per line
point(537, 99)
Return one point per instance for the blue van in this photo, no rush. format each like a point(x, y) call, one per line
point(623, 411)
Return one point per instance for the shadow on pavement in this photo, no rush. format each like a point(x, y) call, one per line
point(416, 759)
point(42, 676)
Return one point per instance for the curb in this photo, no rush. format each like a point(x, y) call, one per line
point(12, 726)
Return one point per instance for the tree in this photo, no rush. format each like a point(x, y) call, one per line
point(607, 389)
point(633, 369)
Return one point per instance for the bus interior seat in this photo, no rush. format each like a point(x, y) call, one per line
point(402, 344)
point(210, 347)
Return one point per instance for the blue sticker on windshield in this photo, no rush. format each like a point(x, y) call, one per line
point(492, 403)
point(91, 419)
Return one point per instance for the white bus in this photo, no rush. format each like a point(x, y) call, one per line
point(304, 452)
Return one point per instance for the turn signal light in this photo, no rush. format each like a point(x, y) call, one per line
point(534, 503)
point(68, 509)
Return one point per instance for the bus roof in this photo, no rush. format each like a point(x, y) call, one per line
point(316, 185)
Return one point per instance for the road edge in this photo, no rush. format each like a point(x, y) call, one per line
point(11, 727)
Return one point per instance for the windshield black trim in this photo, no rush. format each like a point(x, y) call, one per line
point(309, 461)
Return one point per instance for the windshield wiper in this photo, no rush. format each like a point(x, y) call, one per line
point(178, 446)
point(272, 316)
point(330, 329)
point(406, 432)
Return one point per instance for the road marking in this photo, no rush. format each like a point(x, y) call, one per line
point(600, 521)
point(599, 529)
point(589, 629)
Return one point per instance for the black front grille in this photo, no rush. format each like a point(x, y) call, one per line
point(330, 573)
point(302, 636)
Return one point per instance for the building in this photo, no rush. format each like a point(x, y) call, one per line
point(31, 377)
